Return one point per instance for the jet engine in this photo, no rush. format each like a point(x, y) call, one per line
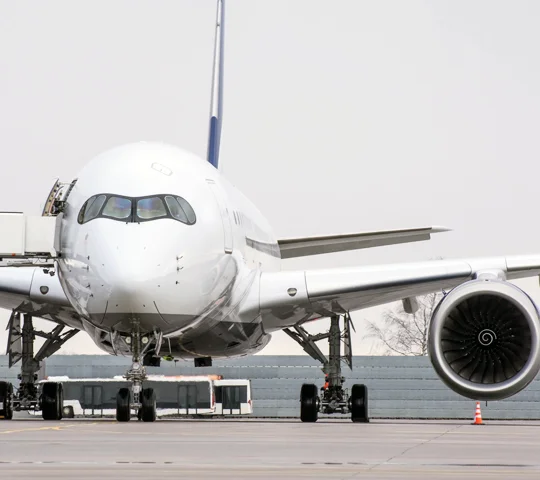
point(484, 339)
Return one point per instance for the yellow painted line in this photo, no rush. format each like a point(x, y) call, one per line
point(58, 428)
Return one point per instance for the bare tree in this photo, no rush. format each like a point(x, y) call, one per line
point(402, 333)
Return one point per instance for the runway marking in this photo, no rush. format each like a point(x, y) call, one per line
point(37, 429)
point(423, 466)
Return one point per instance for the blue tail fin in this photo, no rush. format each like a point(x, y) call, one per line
point(214, 134)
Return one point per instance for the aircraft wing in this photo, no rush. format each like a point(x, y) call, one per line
point(31, 290)
point(300, 247)
point(290, 298)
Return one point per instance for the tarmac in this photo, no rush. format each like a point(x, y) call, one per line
point(265, 449)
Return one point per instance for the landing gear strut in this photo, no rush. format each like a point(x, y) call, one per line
point(334, 398)
point(142, 400)
point(21, 348)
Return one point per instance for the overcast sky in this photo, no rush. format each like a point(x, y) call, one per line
point(340, 116)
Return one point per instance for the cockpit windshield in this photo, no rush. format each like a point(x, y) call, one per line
point(152, 207)
point(117, 207)
point(137, 209)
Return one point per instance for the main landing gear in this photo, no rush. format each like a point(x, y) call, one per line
point(142, 400)
point(21, 348)
point(333, 398)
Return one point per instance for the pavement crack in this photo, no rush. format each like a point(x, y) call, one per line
point(408, 449)
point(421, 444)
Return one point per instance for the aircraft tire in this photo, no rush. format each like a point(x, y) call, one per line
point(123, 408)
point(52, 400)
point(148, 408)
point(309, 408)
point(6, 401)
point(359, 404)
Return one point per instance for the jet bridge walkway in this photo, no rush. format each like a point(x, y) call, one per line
point(27, 237)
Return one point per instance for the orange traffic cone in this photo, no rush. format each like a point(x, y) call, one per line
point(478, 415)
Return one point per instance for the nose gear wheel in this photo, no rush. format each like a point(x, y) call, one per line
point(143, 401)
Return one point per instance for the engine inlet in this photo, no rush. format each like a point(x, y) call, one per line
point(486, 339)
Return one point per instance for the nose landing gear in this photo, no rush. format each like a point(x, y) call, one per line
point(142, 400)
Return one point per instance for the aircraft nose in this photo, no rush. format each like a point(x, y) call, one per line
point(128, 278)
point(129, 295)
point(160, 281)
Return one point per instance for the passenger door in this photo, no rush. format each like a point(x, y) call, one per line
point(93, 400)
point(231, 400)
point(225, 215)
point(187, 398)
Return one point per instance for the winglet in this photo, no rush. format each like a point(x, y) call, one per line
point(439, 229)
point(214, 134)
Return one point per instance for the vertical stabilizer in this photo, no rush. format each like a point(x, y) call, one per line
point(214, 134)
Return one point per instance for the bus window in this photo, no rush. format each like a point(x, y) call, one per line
point(193, 396)
point(233, 397)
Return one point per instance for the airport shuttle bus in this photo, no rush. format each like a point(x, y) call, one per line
point(200, 395)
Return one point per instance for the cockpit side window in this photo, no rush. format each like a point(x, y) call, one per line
point(175, 209)
point(150, 207)
point(180, 209)
point(118, 207)
point(91, 208)
point(188, 209)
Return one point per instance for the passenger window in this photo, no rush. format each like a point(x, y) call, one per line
point(187, 208)
point(176, 209)
point(151, 208)
point(118, 207)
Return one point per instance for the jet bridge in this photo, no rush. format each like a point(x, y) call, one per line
point(27, 237)
point(32, 236)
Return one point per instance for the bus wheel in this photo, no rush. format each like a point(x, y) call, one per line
point(309, 405)
point(6, 401)
point(123, 408)
point(52, 399)
point(148, 408)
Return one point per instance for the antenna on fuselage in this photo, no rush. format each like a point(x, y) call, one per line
point(216, 105)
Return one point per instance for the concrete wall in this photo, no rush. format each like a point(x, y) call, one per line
point(399, 387)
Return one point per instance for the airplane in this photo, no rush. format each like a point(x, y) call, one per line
point(155, 254)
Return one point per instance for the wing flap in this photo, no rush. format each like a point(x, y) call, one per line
point(300, 247)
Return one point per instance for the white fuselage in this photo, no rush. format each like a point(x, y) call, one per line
point(119, 269)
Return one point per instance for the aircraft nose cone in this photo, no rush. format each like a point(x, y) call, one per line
point(128, 278)
point(156, 276)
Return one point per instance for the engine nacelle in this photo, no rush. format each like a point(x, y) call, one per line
point(484, 339)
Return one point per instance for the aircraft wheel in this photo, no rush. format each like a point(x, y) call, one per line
point(6, 401)
point(309, 405)
point(148, 408)
point(359, 404)
point(123, 409)
point(52, 401)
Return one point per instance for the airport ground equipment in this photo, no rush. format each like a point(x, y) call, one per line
point(180, 395)
point(333, 397)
